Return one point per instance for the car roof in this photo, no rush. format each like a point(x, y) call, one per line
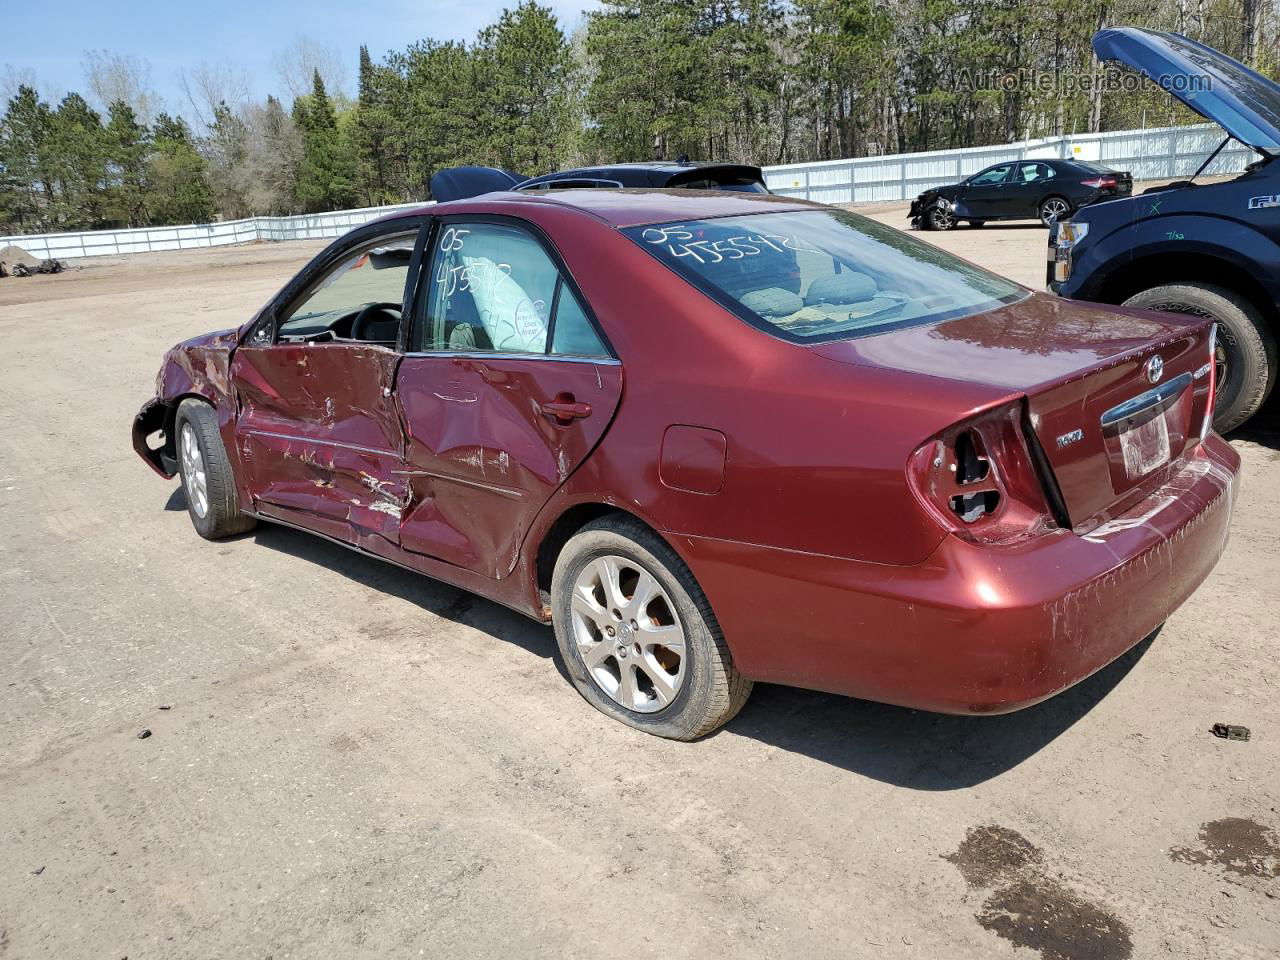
point(627, 207)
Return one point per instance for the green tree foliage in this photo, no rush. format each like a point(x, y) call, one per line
point(765, 81)
point(128, 145)
point(523, 70)
point(178, 180)
point(327, 175)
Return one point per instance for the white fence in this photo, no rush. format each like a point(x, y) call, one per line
point(1162, 153)
point(99, 243)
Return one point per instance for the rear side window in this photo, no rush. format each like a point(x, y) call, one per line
point(823, 274)
point(495, 289)
point(1032, 172)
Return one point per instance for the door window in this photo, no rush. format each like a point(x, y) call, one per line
point(495, 289)
point(994, 175)
point(1033, 172)
point(359, 298)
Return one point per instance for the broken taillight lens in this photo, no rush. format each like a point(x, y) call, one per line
point(1097, 182)
point(979, 481)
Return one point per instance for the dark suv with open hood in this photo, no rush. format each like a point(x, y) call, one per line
point(1212, 250)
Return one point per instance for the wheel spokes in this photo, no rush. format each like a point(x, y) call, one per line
point(627, 634)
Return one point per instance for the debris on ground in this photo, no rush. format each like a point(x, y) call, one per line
point(1230, 731)
point(144, 733)
point(16, 262)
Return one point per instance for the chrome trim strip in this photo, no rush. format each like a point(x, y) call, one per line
point(328, 443)
point(1147, 400)
point(492, 355)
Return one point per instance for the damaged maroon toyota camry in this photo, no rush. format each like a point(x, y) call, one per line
point(717, 439)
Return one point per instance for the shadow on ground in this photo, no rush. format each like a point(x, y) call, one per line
point(892, 744)
point(914, 749)
point(908, 748)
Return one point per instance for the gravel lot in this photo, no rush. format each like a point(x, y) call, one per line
point(347, 760)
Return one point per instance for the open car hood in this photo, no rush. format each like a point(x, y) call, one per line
point(1244, 103)
point(459, 183)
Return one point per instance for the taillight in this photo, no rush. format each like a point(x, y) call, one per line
point(1212, 402)
point(1100, 182)
point(979, 481)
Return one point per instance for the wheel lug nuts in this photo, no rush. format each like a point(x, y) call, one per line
point(609, 630)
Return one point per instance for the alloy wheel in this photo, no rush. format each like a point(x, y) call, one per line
point(626, 630)
point(943, 219)
point(1053, 210)
point(193, 472)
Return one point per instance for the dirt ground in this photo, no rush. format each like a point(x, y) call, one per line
point(347, 760)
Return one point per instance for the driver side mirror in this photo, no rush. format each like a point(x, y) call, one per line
point(264, 334)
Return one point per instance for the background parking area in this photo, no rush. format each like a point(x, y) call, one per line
point(347, 760)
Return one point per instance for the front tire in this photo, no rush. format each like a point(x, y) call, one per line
point(1246, 357)
point(941, 218)
point(207, 477)
point(637, 635)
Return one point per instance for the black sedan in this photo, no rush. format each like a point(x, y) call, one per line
point(1047, 190)
point(457, 183)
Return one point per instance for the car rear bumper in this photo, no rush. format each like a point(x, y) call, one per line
point(974, 629)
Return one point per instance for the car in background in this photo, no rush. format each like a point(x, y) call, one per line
point(719, 437)
point(1208, 250)
point(1047, 190)
point(458, 183)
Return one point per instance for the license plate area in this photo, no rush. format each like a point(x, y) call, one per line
point(1144, 445)
point(1147, 431)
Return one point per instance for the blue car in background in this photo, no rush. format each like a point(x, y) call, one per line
point(1212, 250)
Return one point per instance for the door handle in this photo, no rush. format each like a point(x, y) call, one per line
point(564, 409)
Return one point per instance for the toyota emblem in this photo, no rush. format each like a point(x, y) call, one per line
point(1155, 369)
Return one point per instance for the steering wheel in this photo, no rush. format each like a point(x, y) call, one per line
point(370, 314)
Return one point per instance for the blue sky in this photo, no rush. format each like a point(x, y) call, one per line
point(171, 35)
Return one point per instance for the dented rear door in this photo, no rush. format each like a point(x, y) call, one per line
point(489, 439)
point(507, 387)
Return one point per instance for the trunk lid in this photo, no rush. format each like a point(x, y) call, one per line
point(1115, 395)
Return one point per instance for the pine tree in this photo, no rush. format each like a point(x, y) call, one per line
point(372, 134)
point(127, 148)
point(327, 175)
point(25, 185)
point(75, 154)
point(178, 176)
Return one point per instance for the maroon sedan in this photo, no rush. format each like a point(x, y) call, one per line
point(721, 438)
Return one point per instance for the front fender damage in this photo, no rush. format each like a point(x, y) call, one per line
point(149, 438)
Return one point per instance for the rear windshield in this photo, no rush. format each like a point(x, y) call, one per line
point(819, 275)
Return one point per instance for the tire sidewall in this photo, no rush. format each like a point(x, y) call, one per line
point(188, 414)
point(690, 701)
point(1247, 354)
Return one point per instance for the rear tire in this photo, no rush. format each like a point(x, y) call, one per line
point(606, 631)
point(207, 478)
point(1248, 347)
point(1053, 209)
